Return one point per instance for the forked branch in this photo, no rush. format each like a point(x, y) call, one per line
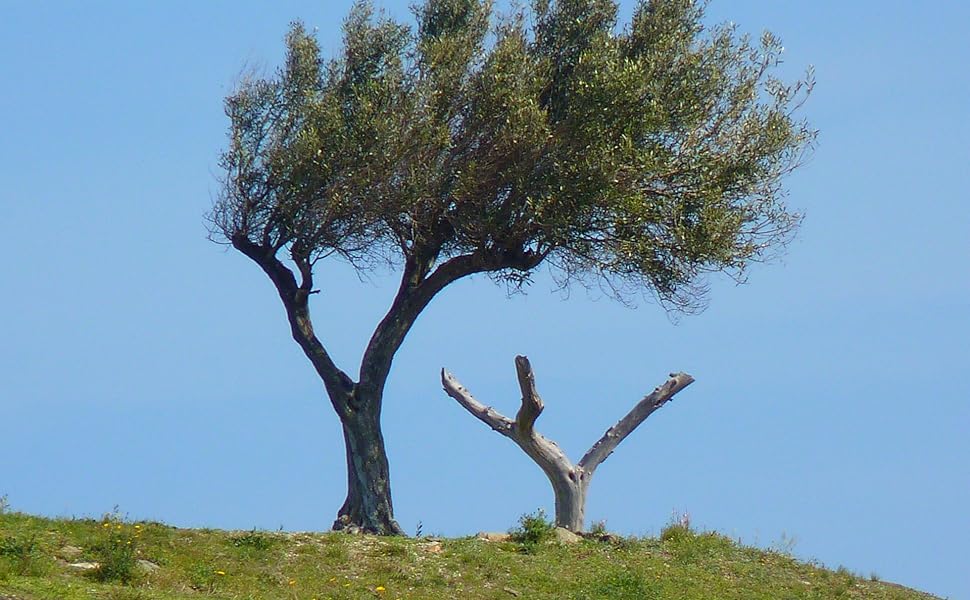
point(569, 481)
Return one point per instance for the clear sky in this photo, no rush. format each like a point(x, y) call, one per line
point(143, 366)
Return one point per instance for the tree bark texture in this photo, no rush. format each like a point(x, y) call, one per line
point(368, 507)
point(570, 482)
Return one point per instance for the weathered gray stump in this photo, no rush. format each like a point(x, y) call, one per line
point(569, 482)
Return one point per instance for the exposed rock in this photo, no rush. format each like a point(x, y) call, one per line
point(147, 565)
point(492, 537)
point(69, 552)
point(86, 566)
point(564, 536)
point(344, 525)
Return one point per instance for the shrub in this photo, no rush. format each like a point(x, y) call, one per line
point(622, 585)
point(117, 552)
point(676, 532)
point(252, 539)
point(532, 530)
point(21, 556)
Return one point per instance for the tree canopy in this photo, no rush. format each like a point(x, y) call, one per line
point(639, 157)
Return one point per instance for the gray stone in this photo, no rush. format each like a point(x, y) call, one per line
point(564, 536)
point(492, 537)
point(148, 566)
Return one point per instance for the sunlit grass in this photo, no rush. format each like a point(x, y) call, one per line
point(166, 563)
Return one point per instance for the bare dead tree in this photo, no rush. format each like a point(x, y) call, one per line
point(570, 482)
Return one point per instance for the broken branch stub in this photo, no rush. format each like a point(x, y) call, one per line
point(531, 402)
point(569, 482)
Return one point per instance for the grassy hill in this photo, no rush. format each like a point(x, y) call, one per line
point(117, 560)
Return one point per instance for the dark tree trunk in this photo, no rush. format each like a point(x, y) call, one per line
point(349, 512)
point(368, 507)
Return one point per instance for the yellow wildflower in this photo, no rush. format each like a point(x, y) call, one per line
point(379, 588)
point(292, 582)
point(220, 572)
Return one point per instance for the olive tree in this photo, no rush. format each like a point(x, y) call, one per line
point(637, 158)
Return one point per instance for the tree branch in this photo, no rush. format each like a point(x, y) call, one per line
point(418, 287)
point(416, 291)
point(616, 434)
point(305, 266)
point(265, 257)
point(295, 300)
point(485, 414)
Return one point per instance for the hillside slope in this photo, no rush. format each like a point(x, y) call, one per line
point(116, 560)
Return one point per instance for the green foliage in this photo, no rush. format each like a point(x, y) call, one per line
point(532, 530)
point(4, 504)
point(621, 585)
point(253, 540)
point(678, 528)
point(639, 157)
point(17, 547)
point(127, 594)
point(117, 551)
point(204, 578)
point(676, 532)
point(395, 548)
point(21, 555)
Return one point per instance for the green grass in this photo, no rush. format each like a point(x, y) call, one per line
point(35, 557)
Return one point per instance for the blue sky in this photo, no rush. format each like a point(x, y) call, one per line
point(143, 366)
